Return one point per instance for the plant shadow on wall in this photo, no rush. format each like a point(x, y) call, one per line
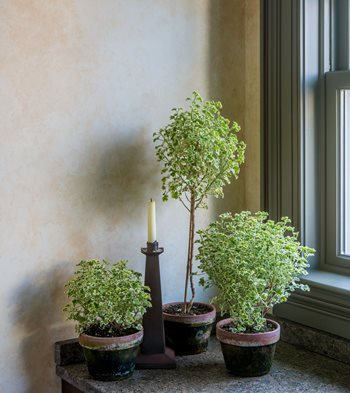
point(116, 178)
point(37, 316)
point(111, 183)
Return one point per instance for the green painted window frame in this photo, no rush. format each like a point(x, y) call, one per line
point(299, 47)
point(336, 83)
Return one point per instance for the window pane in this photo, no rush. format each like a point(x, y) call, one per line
point(344, 167)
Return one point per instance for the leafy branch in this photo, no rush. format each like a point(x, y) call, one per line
point(200, 151)
point(111, 298)
point(254, 262)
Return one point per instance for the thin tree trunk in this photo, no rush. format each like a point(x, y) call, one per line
point(189, 268)
point(193, 289)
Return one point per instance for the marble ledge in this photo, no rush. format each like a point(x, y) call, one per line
point(314, 340)
point(294, 370)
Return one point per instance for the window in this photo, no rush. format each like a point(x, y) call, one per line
point(337, 140)
point(337, 164)
point(306, 147)
point(344, 167)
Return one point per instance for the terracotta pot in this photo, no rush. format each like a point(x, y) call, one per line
point(248, 354)
point(188, 334)
point(111, 358)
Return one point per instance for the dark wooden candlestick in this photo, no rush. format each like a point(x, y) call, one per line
point(154, 353)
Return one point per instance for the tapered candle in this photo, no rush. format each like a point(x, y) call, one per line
point(152, 230)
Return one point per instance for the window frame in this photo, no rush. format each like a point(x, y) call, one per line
point(333, 260)
point(298, 49)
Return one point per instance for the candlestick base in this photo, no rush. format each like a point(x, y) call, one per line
point(154, 354)
point(165, 360)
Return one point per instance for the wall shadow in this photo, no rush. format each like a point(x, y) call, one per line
point(113, 183)
point(37, 316)
point(226, 76)
point(116, 179)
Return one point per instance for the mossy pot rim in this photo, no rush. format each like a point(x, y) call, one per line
point(247, 339)
point(203, 319)
point(111, 343)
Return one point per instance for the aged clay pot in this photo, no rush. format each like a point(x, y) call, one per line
point(188, 334)
point(111, 358)
point(248, 354)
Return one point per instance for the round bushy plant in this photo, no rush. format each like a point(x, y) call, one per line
point(200, 151)
point(254, 262)
point(106, 300)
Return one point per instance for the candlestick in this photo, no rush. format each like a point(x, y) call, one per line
point(154, 354)
point(152, 229)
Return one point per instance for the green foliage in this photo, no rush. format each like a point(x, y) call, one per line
point(104, 296)
point(200, 151)
point(254, 262)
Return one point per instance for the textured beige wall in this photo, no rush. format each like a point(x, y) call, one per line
point(252, 104)
point(83, 85)
point(235, 79)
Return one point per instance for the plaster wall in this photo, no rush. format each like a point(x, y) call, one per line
point(83, 85)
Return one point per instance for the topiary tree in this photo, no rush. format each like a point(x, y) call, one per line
point(200, 151)
point(254, 262)
point(106, 300)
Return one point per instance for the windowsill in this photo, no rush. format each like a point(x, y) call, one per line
point(326, 307)
point(333, 282)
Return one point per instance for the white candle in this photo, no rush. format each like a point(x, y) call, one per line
point(152, 232)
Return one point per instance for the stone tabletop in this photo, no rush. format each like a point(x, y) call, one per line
point(294, 370)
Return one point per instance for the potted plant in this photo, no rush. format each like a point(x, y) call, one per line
point(255, 263)
point(108, 303)
point(200, 151)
